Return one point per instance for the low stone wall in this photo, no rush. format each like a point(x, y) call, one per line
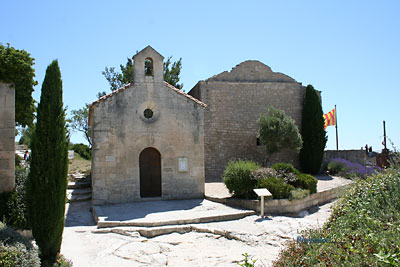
point(354, 155)
point(283, 206)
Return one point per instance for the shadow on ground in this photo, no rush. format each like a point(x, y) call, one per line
point(324, 177)
point(78, 214)
point(138, 210)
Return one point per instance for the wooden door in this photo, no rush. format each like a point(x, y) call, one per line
point(150, 173)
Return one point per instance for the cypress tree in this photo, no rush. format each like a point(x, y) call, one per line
point(47, 180)
point(312, 132)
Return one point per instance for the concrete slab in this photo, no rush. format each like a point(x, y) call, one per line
point(161, 213)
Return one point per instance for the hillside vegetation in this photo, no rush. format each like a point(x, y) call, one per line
point(363, 230)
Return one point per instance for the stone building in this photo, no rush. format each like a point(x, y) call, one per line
point(7, 136)
point(234, 101)
point(148, 139)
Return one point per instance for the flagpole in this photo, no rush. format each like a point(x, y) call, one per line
point(337, 144)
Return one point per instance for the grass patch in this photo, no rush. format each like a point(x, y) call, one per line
point(79, 164)
point(363, 230)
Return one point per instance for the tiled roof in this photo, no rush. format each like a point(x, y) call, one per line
point(126, 86)
point(123, 88)
point(184, 94)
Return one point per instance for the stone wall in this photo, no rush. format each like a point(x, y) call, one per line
point(234, 102)
point(355, 155)
point(121, 132)
point(7, 137)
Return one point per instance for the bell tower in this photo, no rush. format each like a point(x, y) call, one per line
point(148, 66)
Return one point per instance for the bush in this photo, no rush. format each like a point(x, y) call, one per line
point(83, 150)
point(335, 167)
point(263, 173)
point(285, 168)
point(350, 169)
point(16, 250)
point(306, 181)
point(238, 180)
point(278, 131)
point(287, 172)
point(363, 229)
point(13, 204)
point(299, 193)
point(17, 211)
point(4, 196)
point(18, 160)
point(60, 262)
point(276, 186)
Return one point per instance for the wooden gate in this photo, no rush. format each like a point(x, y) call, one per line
point(150, 173)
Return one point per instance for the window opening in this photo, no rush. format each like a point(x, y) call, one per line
point(148, 113)
point(148, 67)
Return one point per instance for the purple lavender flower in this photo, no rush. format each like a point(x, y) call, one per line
point(355, 168)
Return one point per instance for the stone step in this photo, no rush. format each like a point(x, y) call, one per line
point(79, 184)
point(165, 215)
point(102, 223)
point(79, 191)
point(76, 198)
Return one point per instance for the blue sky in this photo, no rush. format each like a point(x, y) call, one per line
point(349, 50)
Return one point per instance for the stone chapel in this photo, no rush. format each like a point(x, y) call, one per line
point(148, 139)
point(151, 140)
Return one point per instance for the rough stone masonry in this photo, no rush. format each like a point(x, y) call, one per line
point(7, 135)
point(234, 101)
point(148, 139)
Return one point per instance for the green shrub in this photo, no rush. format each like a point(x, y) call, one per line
point(285, 168)
point(83, 150)
point(287, 172)
point(18, 160)
point(363, 229)
point(238, 180)
point(13, 204)
point(276, 186)
point(246, 262)
point(62, 262)
point(263, 173)
point(335, 167)
point(4, 196)
point(299, 193)
point(307, 181)
point(16, 250)
point(17, 212)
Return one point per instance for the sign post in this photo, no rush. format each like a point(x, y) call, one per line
point(262, 192)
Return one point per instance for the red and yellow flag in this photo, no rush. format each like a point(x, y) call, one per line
point(330, 118)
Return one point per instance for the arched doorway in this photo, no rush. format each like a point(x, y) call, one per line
point(150, 172)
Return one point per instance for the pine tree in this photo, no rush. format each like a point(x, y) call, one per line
point(313, 132)
point(47, 180)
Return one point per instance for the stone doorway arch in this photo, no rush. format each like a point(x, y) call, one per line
point(150, 172)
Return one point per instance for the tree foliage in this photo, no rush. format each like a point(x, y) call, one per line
point(26, 135)
point(116, 79)
point(79, 122)
point(47, 180)
point(16, 68)
point(312, 132)
point(278, 131)
point(172, 72)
